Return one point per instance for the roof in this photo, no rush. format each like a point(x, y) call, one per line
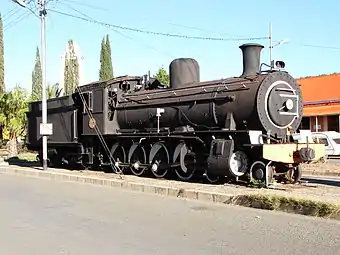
point(320, 88)
point(321, 110)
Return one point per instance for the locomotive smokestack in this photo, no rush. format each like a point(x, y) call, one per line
point(251, 58)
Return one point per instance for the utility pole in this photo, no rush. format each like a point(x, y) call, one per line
point(45, 128)
point(271, 46)
point(43, 62)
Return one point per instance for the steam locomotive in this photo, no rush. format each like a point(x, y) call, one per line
point(238, 127)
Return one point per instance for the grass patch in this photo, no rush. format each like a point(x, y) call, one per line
point(30, 158)
point(22, 160)
point(289, 204)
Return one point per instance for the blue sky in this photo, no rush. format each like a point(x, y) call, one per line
point(134, 53)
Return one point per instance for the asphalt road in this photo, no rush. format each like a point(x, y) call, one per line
point(50, 217)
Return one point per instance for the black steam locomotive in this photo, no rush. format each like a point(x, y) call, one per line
point(234, 127)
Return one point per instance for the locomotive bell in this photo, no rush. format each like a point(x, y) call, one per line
point(251, 58)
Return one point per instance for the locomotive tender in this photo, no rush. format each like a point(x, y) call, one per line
point(221, 128)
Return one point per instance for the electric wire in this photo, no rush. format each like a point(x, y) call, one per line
point(24, 15)
point(118, 32)
point(9, 12)
point(83, 4)
point(91, 20)
point(168, 22)
point(16, 21)
point(157, 33)
point(150, 32)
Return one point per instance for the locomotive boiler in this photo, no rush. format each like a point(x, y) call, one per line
point(270, 102)
point(238, 127)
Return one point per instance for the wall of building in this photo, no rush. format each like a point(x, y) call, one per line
point(324, 123)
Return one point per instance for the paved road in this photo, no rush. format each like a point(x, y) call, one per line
point(50, 217)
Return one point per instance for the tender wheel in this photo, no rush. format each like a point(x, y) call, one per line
point(294, 174)
point(160, 160)
point(238, 163)
point(138, 161)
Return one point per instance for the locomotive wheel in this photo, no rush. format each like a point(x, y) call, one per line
point(185, 176)
point(160, 160)
point(238, 163)
point(212, 178)
point(191, 169)
point(137, 158)
point(183, 157)
point(294, 174)
point(119, 156)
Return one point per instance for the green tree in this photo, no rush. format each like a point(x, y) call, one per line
point(106, 69)
point(163, 76)
point(13, 108)
point(52, 91)
point(71, 72)
point(37, 78)
point(2, 58)
point(109, 58)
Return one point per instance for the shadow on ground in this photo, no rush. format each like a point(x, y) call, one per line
point(21, 162)
point(328, 182)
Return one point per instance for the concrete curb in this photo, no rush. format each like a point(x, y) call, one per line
point(253, 200)
point(116, 183)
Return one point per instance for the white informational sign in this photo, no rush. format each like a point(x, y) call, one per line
point(46, 129)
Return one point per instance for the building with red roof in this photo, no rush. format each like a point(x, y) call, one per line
point(321, 97)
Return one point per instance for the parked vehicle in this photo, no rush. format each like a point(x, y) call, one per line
point(331, 140)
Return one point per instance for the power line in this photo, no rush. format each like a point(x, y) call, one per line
point(158, 33)
point(16, 21)
point(9, 12)
point(118, 32)
point(320, 46)
point(83, 4)
point(25, 14)
point(168, 23)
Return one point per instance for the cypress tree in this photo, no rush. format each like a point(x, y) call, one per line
point(37, 78)
point(71, 71)
point(2, 58)
point(102, 61)
point(106, 70)
point(109, 60)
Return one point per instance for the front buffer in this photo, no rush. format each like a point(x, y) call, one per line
point(261, 161)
